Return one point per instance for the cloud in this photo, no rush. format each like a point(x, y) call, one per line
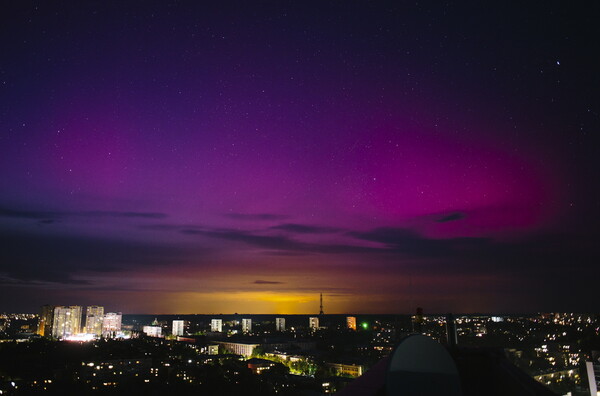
point(451, 217)
point(28, 214)
point(142, 215)
point(47, 217)
point(265, 282)
point(282, 253)
point(277, 242)
point(256, 216)
point(409, 242)
point(166, 227)
point(172, 227)
point(33, 258)
point(537, 256)
point(325, 289)
point(264, 241)
point(400, 248)
point(304, 229)
point(7, 279)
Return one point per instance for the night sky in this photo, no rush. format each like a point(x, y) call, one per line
point(209, 157)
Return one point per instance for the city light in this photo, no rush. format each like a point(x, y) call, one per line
point(278, 198)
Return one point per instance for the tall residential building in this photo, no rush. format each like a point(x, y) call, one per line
point(313, 323)
point(216, 325)
point(178, 326)
point(592, 367)
point(46, 320)
point(94, 316)
point(279, 324)
point(111, 324)
point(246, 326)
point(351, 322)
point(66, 322)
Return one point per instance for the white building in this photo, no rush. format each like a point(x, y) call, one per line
point(178, 326)
point(67, 321)
point(94, 316)
point(153, 331)
point(111, 324)
point(246, 326)
point(279, 324)
point(216, 325)
point(213, 349)
point(313, 323)
point(238, 348)
point(592, 368)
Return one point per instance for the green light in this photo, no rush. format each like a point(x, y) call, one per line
point(365, 325)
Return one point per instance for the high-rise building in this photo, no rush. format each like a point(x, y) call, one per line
point(216, 325)
point(111, 324)
point(94, 316)
point(313, 323)
point(351, 322)
point(592, 368)
point(246, 326)
point(178, 327)
point(46, 320)
point(280, 324)
point(66, 322)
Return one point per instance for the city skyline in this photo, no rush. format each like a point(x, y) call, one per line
point(204, 158)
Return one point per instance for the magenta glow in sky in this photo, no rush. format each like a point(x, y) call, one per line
point(187, 158)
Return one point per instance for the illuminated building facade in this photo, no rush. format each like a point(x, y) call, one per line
point(45, 321)
point(111, 324)
point(238, 348)
point(257, 366)
point(216, 325)
point(313, 323)
point(280, 324)
point(213, 349)
point(153, 331)
point(178, 327)
point(246, 326)
point(94, 318)
point(592, 368)
point(66, 322)
point(347, 370)
point(351, 322)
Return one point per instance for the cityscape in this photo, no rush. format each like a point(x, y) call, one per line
point(90, 351)
point(299, 198)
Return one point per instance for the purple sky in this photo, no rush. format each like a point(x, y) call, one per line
point(177, 157)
